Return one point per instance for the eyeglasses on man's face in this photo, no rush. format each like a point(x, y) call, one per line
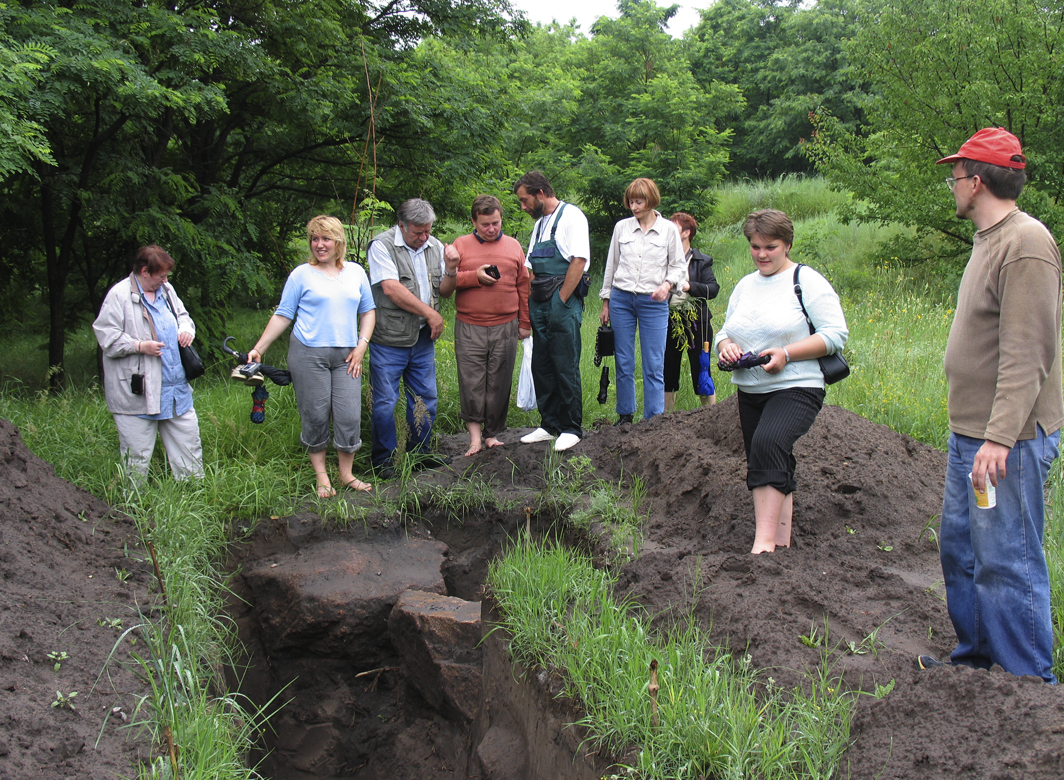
point(951, 181)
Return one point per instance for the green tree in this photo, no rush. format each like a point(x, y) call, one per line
point(788, 60)
point(214, 129)
point(621, 104)
point(944, 70)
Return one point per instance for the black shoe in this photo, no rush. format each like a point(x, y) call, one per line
point(928, 662)
point(430, 461)
point(624, 418)
point(384, 470)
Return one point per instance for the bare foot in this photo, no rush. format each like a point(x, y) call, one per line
point(325, 491)
point(493, 442)
point(357, 484)
point(474, 448)
point(764, 548)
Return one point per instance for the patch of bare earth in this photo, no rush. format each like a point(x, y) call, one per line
point(863, 566)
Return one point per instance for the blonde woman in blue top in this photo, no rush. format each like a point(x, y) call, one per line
point(332, 306)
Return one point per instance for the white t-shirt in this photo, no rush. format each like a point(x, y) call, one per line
point(573, 237)
point(764, 312)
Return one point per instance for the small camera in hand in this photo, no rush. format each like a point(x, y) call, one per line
point(746, 360)
point(493, 272)
point(136, 384)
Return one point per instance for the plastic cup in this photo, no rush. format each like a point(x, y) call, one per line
point(986, 498)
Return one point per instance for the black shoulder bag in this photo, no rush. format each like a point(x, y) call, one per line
point(190, 359)
point(833, 367)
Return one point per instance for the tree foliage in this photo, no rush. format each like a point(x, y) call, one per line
point(788, 59)
point(212, 128)
point(943, 70)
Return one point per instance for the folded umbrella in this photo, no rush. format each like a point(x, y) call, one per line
point(705, 380)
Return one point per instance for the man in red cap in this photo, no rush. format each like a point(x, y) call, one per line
point(1003, 365)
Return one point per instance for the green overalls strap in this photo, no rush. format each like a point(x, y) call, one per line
point(556, 343)
point(546, 258)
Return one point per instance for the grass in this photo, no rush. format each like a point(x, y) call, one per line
point(718, 716)
point(899, 314)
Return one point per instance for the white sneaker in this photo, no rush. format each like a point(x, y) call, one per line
point(539, 434)
point(565, 441)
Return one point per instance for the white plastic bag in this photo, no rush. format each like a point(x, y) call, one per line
point(526, 390)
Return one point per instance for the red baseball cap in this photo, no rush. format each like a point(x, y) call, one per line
point(994, 145)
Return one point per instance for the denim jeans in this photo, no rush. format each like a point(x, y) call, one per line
point(627, 312)
point(997, 582)
point(416, 366)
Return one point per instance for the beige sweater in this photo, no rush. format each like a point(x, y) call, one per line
point(1003, 360)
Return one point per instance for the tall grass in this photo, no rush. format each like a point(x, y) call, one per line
point(802, 197)
point(717, 716)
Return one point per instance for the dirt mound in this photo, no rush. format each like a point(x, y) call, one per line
point(68, 591)
point(862, 579)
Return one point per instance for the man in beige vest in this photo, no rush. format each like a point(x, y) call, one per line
point(405, 264)
point(1003, 364)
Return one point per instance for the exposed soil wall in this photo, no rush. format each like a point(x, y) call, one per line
point(862, 560)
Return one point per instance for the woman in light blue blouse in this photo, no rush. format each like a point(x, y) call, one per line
point(332, 305)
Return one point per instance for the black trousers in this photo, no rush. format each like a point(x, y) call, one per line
point(772, 423)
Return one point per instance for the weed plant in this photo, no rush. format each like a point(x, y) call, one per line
point(718, 716)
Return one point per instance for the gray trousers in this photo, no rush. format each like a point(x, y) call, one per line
point(324, 392)
point(181, 440)
point(485, 356)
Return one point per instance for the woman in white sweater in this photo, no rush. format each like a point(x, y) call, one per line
point(779, 400)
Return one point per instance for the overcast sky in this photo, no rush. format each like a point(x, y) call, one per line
point(587, 11)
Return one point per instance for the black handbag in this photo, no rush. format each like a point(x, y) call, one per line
point(833, 367)
point(191, 362)
point(604, 343)
point(190, 359)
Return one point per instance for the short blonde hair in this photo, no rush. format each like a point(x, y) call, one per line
point(645, 189)
point(330, 227)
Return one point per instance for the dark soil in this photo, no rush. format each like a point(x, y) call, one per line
point(61, 553)
point(863, 568)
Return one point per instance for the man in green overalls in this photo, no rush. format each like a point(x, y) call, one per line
point(559, 256)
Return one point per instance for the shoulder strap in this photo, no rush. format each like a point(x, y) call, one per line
point(543, 220)
point(557, 219)
point(798, 292)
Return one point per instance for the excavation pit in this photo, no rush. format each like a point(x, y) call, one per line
point(863, 558)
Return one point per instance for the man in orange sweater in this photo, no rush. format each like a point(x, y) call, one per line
point(488, 271)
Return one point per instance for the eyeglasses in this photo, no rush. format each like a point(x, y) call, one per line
point(951, 181)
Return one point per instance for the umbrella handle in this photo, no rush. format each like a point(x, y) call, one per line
point(241, 356)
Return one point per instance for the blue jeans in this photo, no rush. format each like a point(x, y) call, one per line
point(416, 366)
point(628, 311)
point(997, 582)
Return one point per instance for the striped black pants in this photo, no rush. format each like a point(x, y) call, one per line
point(772, 423)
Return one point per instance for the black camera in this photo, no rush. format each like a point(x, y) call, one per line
point(493, 272)
point(136, 384)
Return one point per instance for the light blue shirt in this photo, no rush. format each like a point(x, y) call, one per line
point(175, 398)
point(326, 310)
